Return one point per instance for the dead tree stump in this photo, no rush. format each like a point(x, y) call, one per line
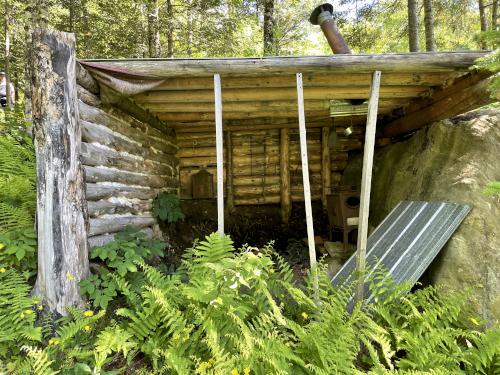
point(62, 221)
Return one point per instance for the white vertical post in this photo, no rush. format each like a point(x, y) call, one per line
point(220, 154)
point(305, 171)
point(366, 180)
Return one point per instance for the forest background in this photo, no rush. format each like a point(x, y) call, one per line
point(221, 28)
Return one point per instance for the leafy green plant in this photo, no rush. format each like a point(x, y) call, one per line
point(17, 174)
point(120, 258)
point(492, 188)
point(227, 311)
point(491, 61)
point(166, 207)
point(18, 249)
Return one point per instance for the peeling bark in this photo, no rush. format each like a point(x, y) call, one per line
point(62, 220)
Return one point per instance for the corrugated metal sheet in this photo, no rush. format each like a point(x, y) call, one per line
point(407, 241)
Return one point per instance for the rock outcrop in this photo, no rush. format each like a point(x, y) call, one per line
point(452, 160)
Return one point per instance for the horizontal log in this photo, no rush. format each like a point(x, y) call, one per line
point(256, 106)
point(289, 124)
point(118, 205)
point(105, 174)
point(96, 155)
point(104, 239)
point(85, 79)
point(87, 97)
point(117, 223)
point(99, 116)
point(99, 191)
point(256, 180)
point(145, 128)
point(268, 199)
point(273, 94)
point(94, 133)
point(355, 63)
point(466, 94)
point(309, 79)
point(252, 191)
point(128, 105)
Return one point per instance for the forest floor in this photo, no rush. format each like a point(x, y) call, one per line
point(253, 225)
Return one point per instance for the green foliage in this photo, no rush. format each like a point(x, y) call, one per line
point(224, 311)
point(492, 188)
point(166, 207)
point(120, 258)
point(17, 174)
point(228, 311)
point(18, 249)
point(491, 62)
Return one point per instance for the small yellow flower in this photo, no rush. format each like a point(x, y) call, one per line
point(40, 307)
point(304, 315)
point(2, 270)
point(177, 336)
point(474, 321)
point(53, 341)
point(2, 246)
point(22, 315)
point(69, 277)
point(234, 371)
point(246, 371)
point(28, 312)
point(88, 313)
point(87, 328)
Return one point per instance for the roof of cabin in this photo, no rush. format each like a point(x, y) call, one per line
point(262, 91)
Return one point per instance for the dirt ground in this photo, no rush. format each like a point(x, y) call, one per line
point(253, 225)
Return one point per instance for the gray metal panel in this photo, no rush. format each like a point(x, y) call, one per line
point(407, 241)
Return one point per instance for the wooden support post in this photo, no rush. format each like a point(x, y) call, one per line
point(305, 170)
point(220, 154)
point(326, 172)
point(61, 206)
point(366, 180)
point(229, 172)
point(286, 206)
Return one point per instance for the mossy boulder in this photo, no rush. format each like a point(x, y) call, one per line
point(452, 160)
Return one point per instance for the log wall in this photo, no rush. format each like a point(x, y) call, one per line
point(256, 156)
point(127, 162)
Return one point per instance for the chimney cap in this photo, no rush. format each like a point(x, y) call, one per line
point(317, 11)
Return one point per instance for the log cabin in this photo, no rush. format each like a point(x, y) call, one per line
point(110, 135)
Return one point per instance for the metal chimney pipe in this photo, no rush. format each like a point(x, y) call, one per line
point(323, 16)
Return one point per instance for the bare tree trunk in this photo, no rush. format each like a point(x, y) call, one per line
point(482, 16)
point(268, 27)
point(71, 6)
point(430, 41)
point(494, 15)
point(7, 57)
point(189, 40)
point(170, 29)
point(62, 219)
point(154, 45)
point(413, 26)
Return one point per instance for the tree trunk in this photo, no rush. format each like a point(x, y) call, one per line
point(430, 42)
point(62, 219)
point(189, 26)
point(71, 6)
point(494, 15)
point(268, 27)
point(170, 29)
point(154, 46)
point(8, 95)
point(482, 16)
point(413, 25)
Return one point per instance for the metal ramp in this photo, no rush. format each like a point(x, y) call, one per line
point(407, 241)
